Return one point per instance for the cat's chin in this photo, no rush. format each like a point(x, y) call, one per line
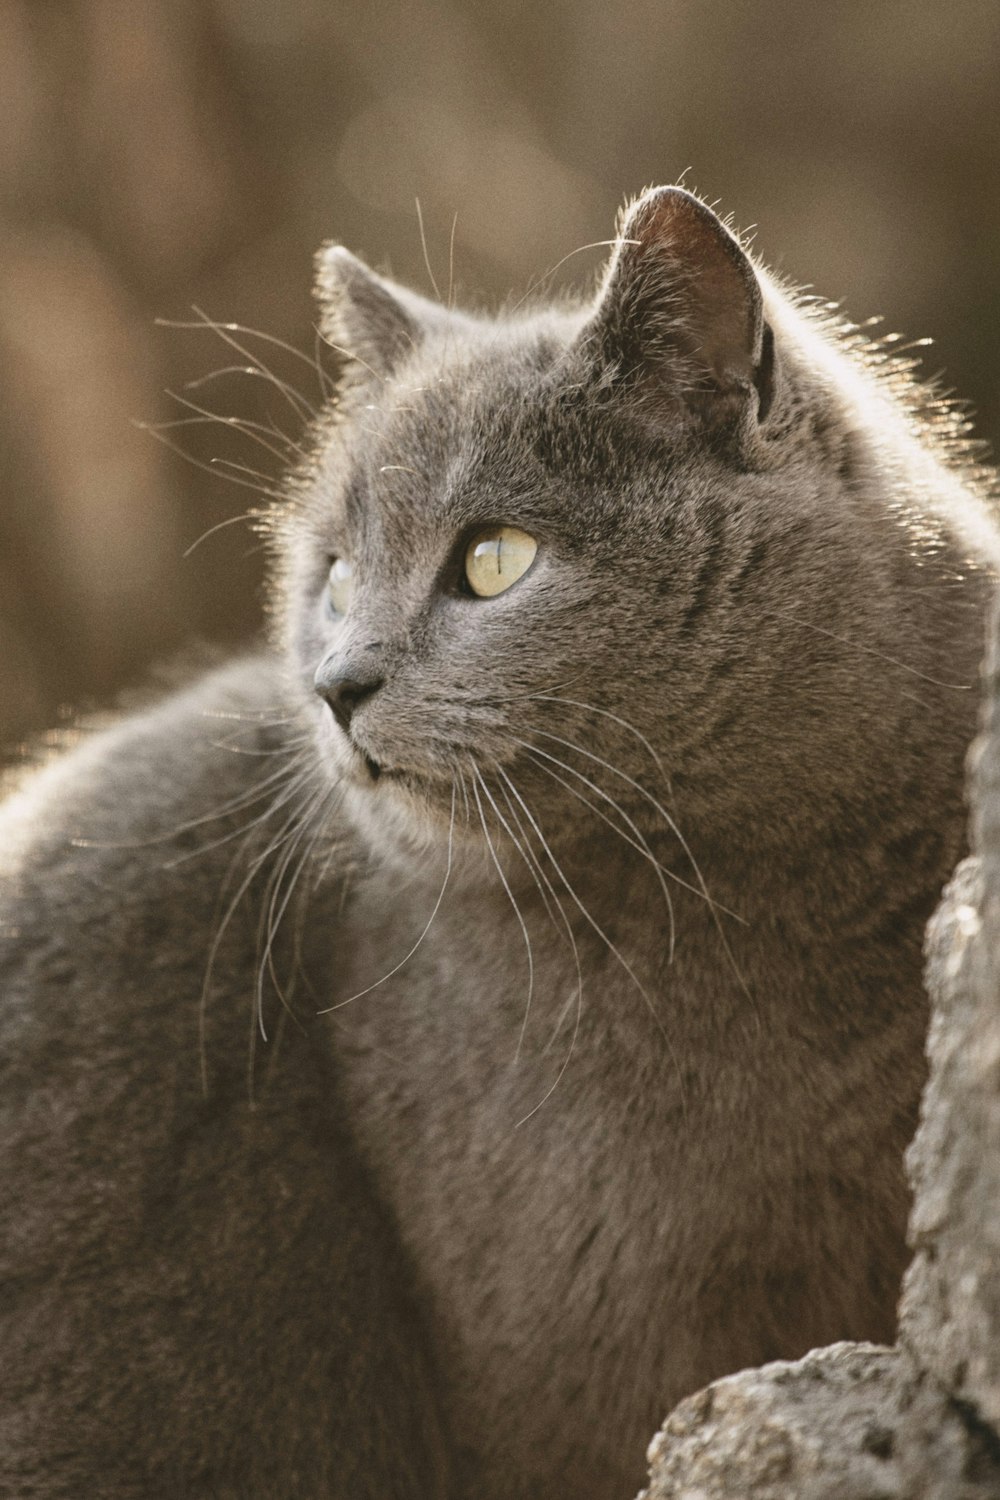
point(351, 765)
point(412, 807)
point(406, 817)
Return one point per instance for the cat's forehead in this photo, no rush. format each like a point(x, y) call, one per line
point(497, 434)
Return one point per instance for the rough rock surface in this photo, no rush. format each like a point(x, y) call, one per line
point(768, 1432)
point(950, 1314)
point(920, 1421)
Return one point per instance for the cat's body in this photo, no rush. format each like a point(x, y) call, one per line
point(474, 1231)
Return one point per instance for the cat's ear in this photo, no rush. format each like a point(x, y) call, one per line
point(372, 322)
point(679, 318)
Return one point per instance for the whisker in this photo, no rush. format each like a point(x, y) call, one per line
point(354, 356)
point(780, 614)
point(577, 994)
point(266, 915)
point(607, 714)
point(239, 424)
point(477, 778)
point(544, 884)
point(328, 389)
point(260, 716)
point(244, 516)
point(231, 749)
point(451, 263)
point(423, 245)
point(529, 854)
point(274, 913)
point(403, 961)
point(253, 794)
point(255, 333)
point(639, 842)
point(245, 799)
point(257, 374)
point(517, 697)
point(540, 280)
point(657, 806)
point(219, 374)
point(294, 786)
point(253, 430)
point(465, 799)
point(250, 875)
point(592, 921)
point(153, 429)
point(552, 1039)
point(321, 819)
point(599, 930)
point(265, 481)
point(714, 907)
point(299, 405)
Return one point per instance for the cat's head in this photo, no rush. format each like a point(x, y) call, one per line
point(552, 556)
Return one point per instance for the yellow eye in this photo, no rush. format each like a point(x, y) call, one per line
point(339, 585)
point(497, 557)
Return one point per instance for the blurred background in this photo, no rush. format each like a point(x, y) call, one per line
point(158, 156)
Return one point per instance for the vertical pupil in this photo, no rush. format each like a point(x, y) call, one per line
point(496, 558)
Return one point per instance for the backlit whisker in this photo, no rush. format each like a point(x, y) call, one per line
point(298, 404)
point(430, 921)
point(612, 948)
point(639, 842)
point(477, 778)
point(714, 907)
point(250, 875)
point(578, 994)
point(606, 713)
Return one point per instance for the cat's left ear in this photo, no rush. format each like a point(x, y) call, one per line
point(679, 319)
point(372, 322)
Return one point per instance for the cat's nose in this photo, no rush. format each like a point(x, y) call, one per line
point(345, 687)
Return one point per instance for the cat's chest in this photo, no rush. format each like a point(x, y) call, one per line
point(536, 1168)
point(483, 1044)
point(513, 1087)
point(587, 1176)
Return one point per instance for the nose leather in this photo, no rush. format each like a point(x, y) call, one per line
point(345, 685)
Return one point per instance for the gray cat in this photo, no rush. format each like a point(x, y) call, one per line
point(438, 1043)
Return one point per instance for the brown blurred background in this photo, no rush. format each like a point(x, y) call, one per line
point(157, 155)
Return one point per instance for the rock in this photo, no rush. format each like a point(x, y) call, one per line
point(950, 1313)
point(823, 1428)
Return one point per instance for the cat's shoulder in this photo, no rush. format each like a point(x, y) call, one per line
point(112, 784)
point(120, 855)
point(134, 870)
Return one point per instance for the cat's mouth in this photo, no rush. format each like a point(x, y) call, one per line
point(367, 770)
point(364, 769)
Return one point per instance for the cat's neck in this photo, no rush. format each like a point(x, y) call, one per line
point(761, 943)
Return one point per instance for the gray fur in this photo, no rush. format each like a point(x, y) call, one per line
point(433, 1241)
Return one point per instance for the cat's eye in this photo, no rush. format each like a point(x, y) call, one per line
point(338, 585)
point(496, 557)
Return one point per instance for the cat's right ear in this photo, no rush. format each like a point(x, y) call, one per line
point(371, 322)
point(679, 328)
